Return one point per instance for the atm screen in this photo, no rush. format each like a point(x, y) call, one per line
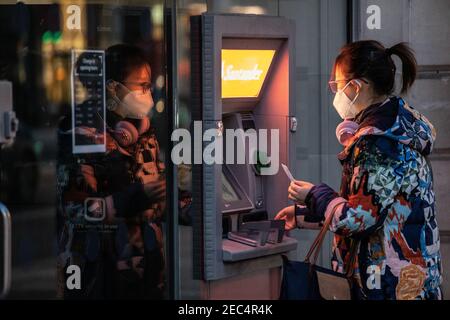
point(228, 192)
point(244, 72)
point(234, 198)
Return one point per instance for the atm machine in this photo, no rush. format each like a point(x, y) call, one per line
point(242, 85)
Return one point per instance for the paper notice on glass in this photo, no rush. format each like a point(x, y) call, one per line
point(88, 101)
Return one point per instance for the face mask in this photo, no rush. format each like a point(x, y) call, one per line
point(345, 131)
point(343, 105)
point(135, 104)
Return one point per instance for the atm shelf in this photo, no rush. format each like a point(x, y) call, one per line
point(234, 251)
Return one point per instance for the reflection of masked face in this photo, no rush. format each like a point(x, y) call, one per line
point(135, 104)
point(138, 104)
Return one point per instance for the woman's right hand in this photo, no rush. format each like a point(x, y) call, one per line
point(155, 191)
point(288, 214)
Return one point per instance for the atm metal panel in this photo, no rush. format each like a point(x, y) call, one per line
point(217, 32)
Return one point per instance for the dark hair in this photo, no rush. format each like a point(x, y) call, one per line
point(371, 60)
point(122, 59)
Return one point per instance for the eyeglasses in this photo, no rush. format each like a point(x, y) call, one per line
point(334, 84)
point(144, 86)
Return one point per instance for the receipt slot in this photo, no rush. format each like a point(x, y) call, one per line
point(242, 85)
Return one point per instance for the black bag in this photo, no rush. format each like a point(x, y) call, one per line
point(307, 281)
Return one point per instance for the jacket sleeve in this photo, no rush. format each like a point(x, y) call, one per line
point(76, 183)
point(374, 185)
point(81, 182)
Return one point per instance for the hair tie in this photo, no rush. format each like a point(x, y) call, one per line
point(388, 51)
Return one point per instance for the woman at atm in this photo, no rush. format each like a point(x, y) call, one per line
point(386, 203)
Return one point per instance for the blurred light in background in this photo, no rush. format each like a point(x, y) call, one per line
point(197, 8)
point(157, 13)
point(160, 81)
point(248, 9)
point(160, 106)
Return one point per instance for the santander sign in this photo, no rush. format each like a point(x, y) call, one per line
point(244, 71)
point(229, 73)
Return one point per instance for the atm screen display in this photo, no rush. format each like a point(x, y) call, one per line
point(234, 198)
point(244, 72)
point(228, 192)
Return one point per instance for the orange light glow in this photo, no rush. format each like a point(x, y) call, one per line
point(244, 72)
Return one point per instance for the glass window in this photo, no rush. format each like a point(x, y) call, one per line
point(89, 90)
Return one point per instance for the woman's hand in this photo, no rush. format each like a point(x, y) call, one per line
point(298, 190)
point(287, 214)
point(155, 191)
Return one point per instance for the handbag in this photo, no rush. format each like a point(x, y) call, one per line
point(307, 281)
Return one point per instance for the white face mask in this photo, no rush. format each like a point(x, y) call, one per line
point(135, 104)
point(343, 105)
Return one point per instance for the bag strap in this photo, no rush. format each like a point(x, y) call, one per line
point(317, 244)
point(349, 268)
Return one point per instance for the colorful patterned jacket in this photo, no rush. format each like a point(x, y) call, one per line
point(386, 205)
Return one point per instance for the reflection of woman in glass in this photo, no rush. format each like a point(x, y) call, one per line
point(121, 256)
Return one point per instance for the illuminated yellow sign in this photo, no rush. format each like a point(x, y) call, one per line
point(244, 71)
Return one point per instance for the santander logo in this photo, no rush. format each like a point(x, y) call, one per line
point(229, 73)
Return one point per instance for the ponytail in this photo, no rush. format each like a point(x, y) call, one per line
point(409, 64)
point(371, 60)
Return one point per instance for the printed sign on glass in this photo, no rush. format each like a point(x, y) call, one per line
point(88, 101)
